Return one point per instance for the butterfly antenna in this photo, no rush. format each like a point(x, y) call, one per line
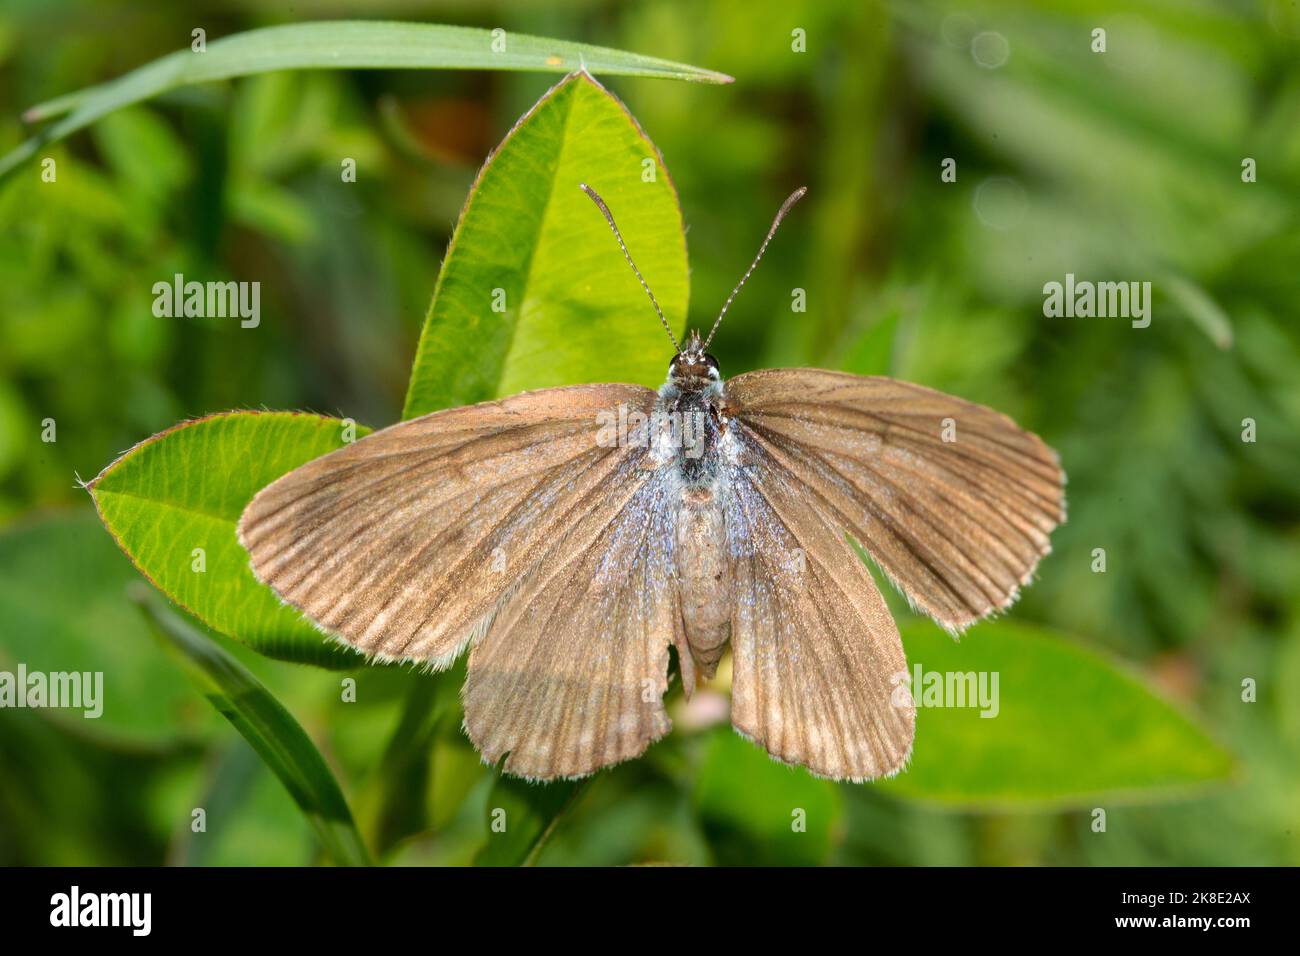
point(793, 198)
point(609, 218)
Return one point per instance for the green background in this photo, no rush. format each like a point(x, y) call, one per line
point(1124, 165)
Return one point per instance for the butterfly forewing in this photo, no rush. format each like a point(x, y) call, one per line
point(951, 499)
point(406, 542)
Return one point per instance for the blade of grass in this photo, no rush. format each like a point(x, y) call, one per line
point(407, 766)
point(530, 813)
point(267, 726)
point(1199, 306)
point(344, 44)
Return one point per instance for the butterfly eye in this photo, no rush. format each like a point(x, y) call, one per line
point(711, 361)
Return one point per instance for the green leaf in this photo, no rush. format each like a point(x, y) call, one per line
point(268, 727)
point(61, 589)
point(343, 44)
point(530, 812)
point(534, 291)
point(184, 489)
point(757, 811)
point(1071, 727)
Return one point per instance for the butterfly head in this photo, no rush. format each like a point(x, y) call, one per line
point(693, 369)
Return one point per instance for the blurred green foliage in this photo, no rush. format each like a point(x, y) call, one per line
point(1122, 165)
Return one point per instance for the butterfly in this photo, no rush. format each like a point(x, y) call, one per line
point(571, 537)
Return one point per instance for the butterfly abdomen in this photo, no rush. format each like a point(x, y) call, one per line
point(703, 579)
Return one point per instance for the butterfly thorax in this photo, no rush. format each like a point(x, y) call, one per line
point(692, 402)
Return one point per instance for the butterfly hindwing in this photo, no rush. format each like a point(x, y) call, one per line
point(816, 657)
point(570, 675)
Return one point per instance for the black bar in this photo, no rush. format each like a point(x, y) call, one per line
point(337, 906)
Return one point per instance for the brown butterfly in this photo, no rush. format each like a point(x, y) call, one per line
point(570, 536)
